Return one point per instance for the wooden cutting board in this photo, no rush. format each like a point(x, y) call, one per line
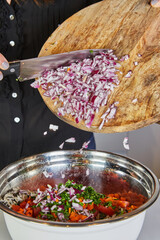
point(127, 27)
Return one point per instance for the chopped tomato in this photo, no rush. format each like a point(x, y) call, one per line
point(106, 210)
point(29, 212)
point(15, 208)
point(54, 215)
point(75, 217)
point(90, 206)
point(23, 204)
point(42, 188)
point(36, 211)
point(123, 204)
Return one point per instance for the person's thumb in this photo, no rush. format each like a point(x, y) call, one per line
point(3, 62)
point(3, 65)
point(155, 3)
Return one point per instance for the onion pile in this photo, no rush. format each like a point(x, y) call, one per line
point(82, 87)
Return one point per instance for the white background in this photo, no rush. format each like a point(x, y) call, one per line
point(144, 145)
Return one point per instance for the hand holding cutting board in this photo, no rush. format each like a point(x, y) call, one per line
point(155, 3)
point(128, 28)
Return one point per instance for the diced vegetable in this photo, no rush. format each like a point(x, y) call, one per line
point(75, 203)
point(83, 87)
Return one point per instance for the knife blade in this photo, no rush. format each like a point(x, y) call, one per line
point(34, 67)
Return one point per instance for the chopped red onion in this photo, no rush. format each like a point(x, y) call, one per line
point(126, 143)
point(53, 127)
point(87, 218)
point(83, 188)
point(62, 175)
point(77, 206)
point(47, 174)
point(87, 172)
point(71, 191)
point(124, 58)
point(73, 198)
point(61, 216)
point(134, 100)
point(86, 212)
point(49, 186)
point(27, 205)
point(136, 63)
point(109, 114)
point(61, 146)
point(35, 84)
point(85, 145)
point(139, 55)
point(62, 189)
point(87, 201)
point(82, 87)
point(53, 207)
point(128, 75)
point(71, 140)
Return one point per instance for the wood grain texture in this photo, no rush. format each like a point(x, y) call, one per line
point(127, 27)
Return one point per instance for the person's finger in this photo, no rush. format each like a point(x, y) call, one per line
point(3, 62)
point(155, 3)
point(1, 76)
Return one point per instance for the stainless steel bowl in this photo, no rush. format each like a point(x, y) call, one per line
point(87, 168)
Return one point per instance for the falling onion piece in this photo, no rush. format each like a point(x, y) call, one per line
point(71, 140)
point(82, 87)
point(53, 127)
point(62, 175)
point(61, 146)
point(87, 172)
point(85, 144)
point(126, 143)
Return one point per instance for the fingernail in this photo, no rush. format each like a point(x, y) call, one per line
point(1, 76)
point(5, 65)
point(153, 2)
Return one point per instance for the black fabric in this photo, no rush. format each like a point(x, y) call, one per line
point(30, 28)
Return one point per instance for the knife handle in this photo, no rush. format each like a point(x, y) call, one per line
point(14, 68)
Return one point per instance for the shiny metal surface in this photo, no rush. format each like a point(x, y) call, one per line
point(33, 68)
point(72, 165)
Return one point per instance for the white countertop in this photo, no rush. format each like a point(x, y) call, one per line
point(150, 229)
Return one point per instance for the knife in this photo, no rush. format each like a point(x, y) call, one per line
point(34, 67)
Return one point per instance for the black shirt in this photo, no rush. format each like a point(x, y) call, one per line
point(24, 118)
